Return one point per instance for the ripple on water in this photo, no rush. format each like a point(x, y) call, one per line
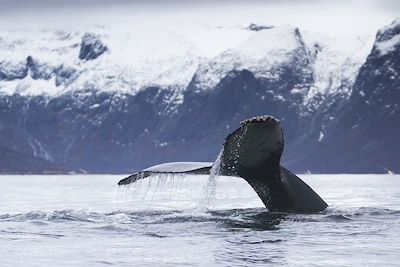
point(253, 218)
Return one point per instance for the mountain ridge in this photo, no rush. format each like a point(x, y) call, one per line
point(91, 125)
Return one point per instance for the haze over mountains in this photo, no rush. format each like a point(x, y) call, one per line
point(107, 99)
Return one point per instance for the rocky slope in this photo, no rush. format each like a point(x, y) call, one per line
point(367, 128)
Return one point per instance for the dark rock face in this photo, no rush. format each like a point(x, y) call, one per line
point(99, 132)
point(372, 115)
point(15, 162)
point(65, 75)
point(11, 71)
point(106, 132)
point(256, 27)
point(91, 47)
point(367, 126)
point(238, 96)
point(389, 32)
point(39, 71)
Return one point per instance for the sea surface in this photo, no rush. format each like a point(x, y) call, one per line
point(87, 220)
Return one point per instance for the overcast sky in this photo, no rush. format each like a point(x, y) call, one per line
point(340, 16)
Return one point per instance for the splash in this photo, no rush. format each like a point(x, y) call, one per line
point(210, 188)
point(167, 186)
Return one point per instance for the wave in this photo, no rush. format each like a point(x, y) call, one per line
point(255, 218)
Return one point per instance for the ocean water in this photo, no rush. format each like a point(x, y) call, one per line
point(87, 220)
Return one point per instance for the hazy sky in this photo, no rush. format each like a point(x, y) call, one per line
point(340, 16)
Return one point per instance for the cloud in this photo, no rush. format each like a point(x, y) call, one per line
point(38, 4)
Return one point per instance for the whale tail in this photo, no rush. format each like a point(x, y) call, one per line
point(253, 152)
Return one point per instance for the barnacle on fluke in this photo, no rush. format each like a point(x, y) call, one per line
point(259, 119)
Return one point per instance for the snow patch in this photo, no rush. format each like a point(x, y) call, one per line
point(336, 62)
point(388, 38)
point(321, 136)
point(259, 54)
point(138, 58)
point(388, 46)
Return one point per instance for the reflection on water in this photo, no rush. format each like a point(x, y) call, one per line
point(254, 219)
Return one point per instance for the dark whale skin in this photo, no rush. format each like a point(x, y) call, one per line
point(253, 152)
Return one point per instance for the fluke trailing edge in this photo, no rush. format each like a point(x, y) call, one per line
point(253, 152)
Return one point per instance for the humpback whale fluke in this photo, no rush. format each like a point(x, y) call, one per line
point(253, 152)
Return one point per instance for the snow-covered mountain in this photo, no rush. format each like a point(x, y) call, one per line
point(107, 99)
point(102, 59)
point(53, 62)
